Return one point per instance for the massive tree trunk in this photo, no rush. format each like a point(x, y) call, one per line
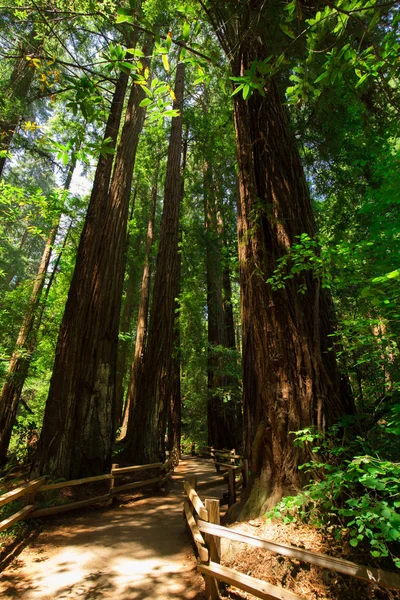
point(223, 409)
point(18, 367)
point(290, 378)
point(149, 409)
point(143, 311)
point(78, 426)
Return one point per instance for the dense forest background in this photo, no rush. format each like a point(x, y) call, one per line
point(200, 238)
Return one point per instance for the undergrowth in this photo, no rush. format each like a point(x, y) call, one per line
point(353, 486)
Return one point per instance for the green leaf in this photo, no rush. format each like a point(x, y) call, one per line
point(288, 31)
point(145, 102)
point(238, 89)
point(361, 80)
point(124, 15)
point(323, 75)
point(135, 52)
point(354, 542)
point(173, 112)
point(168, 41)
point(246, 91)
point(128, 65)
point(147, 91)
point(186, 31)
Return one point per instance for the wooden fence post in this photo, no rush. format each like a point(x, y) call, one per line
point(112, 482)
point(214, 546)
point(193, 482)
point(30, 497)
point(245, 472)
point(231, 486)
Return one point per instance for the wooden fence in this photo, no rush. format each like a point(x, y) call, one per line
point(31, 489)
point(203, 521)
point(230, 464)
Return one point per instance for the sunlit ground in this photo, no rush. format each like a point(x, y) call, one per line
point(137, 550)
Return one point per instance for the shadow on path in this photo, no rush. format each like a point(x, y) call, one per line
point(135, 551)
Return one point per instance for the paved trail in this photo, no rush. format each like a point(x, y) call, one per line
point(135, 551)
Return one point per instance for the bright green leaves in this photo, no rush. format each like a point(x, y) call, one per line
point(125, 15)
point(255, 78)
point(87, 98)
point(186, 31)
point(354, 492)
point(145, 102)
point(384, 291)
point(301, 257)
point(158, 101)
point(63, 151)
point(356, 40)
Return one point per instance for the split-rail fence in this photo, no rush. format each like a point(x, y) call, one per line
point(30, 490)
point(203, 520)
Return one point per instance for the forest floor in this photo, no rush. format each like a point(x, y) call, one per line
point(308, 581)
point(139, 549)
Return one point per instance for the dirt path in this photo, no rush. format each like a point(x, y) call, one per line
point(134, 551)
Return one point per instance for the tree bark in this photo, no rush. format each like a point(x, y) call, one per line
point(175, 404)
point(149, 409)
point(223, 409)
point(79, 419)
point(290, 378)
point(143, 311)
point(125, 324)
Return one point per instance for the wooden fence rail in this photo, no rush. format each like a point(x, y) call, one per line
point(32, 488)
point(209, 558)
point(230, 463)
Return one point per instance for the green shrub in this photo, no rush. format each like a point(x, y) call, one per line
point(350, 490)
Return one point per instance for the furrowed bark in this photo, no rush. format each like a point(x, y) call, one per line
point(147, 420)
point(290, 378)
point(78, 426)
point(143, 311)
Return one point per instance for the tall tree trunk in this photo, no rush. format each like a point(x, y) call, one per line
point(223, 413)
point(143, 307)
point(290, 378)
point(15, 96)
point(124, 345)
point(175, 404)
point(149, 409)
point(18, 367)
point(78, 426)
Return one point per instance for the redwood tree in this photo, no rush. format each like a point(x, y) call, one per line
point(78, 425)
point(290, 378)
point(143, 310)
point(223, 414)
point(149, 409)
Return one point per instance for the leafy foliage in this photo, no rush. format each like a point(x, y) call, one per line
point(350, 489)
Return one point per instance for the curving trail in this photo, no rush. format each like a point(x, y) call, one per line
point(134, 551)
